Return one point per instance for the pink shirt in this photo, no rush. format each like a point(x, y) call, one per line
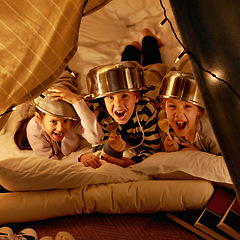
point(87, 127)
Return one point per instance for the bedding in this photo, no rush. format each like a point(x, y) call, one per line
point(185, 165)
point(117, 198)
point(38, 173)
point(42, 189)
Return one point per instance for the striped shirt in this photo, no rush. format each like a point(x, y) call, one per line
point(141, 131)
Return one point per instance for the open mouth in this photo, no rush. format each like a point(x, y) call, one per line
point(120, 114)
point(58, 134)
point(181, 124)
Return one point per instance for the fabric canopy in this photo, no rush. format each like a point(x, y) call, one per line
point(38, 39)
point(210, 32)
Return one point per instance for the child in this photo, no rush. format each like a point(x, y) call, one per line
point(117, 88)
point(60, 121)
point(148, 55)
point(184, 111)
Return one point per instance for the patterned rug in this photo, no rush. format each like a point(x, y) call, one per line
point(111, 227)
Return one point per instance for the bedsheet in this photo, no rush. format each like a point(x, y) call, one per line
point(42, 189)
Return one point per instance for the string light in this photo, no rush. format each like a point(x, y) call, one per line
point(163, 21)
point(70, 71)
point(180, 56)
point(8, 111)
point(166, 19)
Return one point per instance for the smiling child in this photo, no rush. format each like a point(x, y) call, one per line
point(184, 109)
point(117, 92)
point(60, 122)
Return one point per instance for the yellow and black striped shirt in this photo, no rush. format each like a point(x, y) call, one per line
point(146, 112)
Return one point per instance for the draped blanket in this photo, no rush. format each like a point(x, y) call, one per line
point(38, 39)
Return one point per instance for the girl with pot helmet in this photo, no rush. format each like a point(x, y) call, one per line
point(60, 122)
point(184, 109)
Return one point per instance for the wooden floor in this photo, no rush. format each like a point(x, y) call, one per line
point(111, 227)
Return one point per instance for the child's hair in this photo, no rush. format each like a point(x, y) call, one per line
point(20, 136)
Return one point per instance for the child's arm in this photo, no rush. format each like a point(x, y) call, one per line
point(90, 160)
point(63, 94)
point(171, 145)
point(124, 162)
point(188, 146)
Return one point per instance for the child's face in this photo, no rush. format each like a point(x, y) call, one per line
point(55, 127)
point(182, 116)
point(121, 106)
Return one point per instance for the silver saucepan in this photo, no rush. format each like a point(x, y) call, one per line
point(110, 79)
point(181, 86)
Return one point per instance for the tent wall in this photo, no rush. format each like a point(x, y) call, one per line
point(210, 32)
point(38, 38)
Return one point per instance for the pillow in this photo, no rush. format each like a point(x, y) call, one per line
point(187, 164)
point(38, 173)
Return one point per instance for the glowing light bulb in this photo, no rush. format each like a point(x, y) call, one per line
point(162, 22)
point(179, 57)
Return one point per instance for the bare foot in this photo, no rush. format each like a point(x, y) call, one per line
point(147, 32)
point(137, 45)
point(64, 236)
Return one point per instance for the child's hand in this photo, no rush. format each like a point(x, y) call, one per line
point(124, 162)
point(171, 145)
point(90, 160)
point(63, 94)
point(188, 146)
point(116, 142)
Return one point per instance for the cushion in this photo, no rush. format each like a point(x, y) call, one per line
point(38, 173)
point(188, 164)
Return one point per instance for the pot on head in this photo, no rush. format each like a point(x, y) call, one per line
point(111, 79)
point(181, 86)
point(59, 108)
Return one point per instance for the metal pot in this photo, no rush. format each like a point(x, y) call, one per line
point(181, 86)
point(110, 79)
point(59, 109)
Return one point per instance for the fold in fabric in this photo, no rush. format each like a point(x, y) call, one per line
point(38, 39)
